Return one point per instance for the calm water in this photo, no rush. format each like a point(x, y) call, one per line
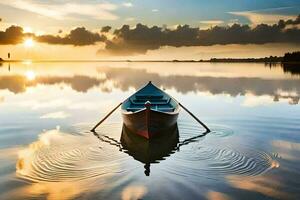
point(47, 151)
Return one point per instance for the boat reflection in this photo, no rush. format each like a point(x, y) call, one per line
point(149, 151)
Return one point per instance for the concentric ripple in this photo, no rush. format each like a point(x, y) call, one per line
point(209, 161)
point(211, 156)
point(59, 156)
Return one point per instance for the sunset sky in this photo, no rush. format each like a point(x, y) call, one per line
point(168, 29)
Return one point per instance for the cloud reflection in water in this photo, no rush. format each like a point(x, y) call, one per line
point(126, 78)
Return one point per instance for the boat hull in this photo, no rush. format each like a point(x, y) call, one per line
point(149, 123)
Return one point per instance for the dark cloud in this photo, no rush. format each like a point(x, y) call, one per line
point(139, 40)
point(105, 29)
point(77, 37)
point(12, 35)
point(290, 22)
point(142, 38)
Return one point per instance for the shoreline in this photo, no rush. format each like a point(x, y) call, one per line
point(172, 61)
point(150, 61)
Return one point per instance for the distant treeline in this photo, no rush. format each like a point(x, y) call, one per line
point(288, 58)
point(293, 57)
point(266, 59)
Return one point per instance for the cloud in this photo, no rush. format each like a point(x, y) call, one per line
point(262, 18)
point(12, 35)
point(140, 39)
point(212, 22)
point(100, 11)
point(130, 19)
point(55, 115)
point(127, 4)
point(105, 29)
point(143, 38)
point(154, 10)
point(78, 37)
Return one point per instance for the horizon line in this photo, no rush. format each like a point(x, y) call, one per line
point(126, 60)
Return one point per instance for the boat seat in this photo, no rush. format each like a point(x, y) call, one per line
point(154, 108)
point(153, 102)
point(166, 109)
point(150, 96)
point(133, 109)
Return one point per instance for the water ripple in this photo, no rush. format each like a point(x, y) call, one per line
point(209, 161)
point(212, 156)
point(59, 156)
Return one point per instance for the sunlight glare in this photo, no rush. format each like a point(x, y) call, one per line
point(27, 29)
point(30, 75)
point(28, 43)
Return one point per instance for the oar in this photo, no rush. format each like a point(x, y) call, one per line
point(198, 120)
point(102, 120)
point(190, 140)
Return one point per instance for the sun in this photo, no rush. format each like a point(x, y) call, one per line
point(28, 43)
point(30, 75)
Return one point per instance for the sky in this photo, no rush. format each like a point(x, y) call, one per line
point(136, 29)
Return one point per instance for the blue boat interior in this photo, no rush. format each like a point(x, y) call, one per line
point(158, 99)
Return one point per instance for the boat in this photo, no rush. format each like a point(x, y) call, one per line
point(149, 151)
point(150, 111)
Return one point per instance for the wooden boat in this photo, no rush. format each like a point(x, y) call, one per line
point(149, 151)
point(150, 111)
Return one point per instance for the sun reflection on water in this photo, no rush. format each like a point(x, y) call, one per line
point(30, 75)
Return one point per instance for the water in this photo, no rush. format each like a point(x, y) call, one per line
point(47, 151)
